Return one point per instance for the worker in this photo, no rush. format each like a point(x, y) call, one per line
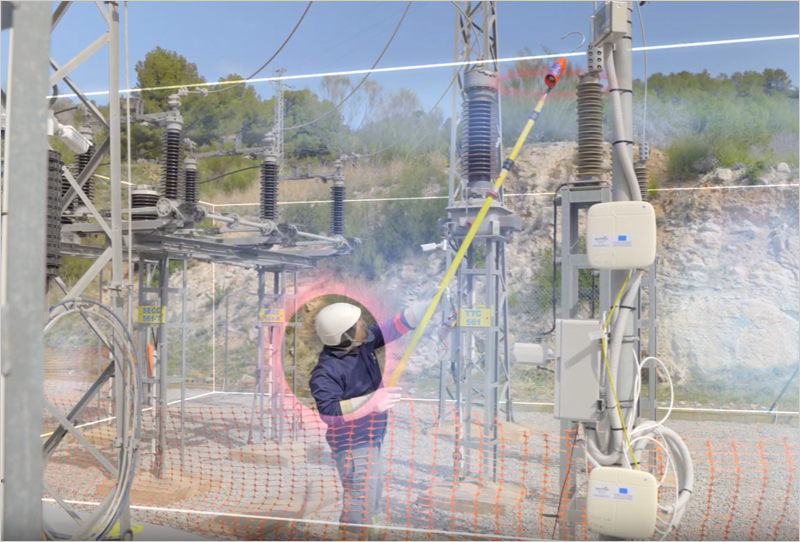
point(347, 386)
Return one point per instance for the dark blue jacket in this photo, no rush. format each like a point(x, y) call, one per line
point(341, 375)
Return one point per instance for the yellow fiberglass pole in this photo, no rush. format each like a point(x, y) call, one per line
point(507, 165)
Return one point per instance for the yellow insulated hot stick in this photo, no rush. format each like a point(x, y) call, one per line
point(507, 165)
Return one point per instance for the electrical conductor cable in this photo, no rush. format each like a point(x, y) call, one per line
point(355, 89)
point(644, 48)
point(265, 64)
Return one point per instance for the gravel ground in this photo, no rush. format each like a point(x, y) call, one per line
point(745, 480)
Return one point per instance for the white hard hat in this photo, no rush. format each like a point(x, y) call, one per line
point(334, 320)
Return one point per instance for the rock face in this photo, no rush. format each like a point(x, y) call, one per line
point(729, 260)
point(728, 278)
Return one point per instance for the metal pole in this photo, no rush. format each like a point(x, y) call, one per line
point(652, 349)
point(275, 366)
point(450, 194)
point(183, 363)
point(258, 396)
point(163, 346)
point(227, 325)
point(569, 310)
point(115, 184)
point(22, 290)
point(621, 192)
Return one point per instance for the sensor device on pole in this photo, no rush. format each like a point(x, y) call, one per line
point(621, 235)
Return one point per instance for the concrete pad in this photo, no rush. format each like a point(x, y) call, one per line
point(285, 454)
point(513, 433)
point(175, 486)
point(322, 495)
point(471, 498)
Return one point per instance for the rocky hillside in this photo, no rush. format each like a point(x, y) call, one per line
point(727, 280)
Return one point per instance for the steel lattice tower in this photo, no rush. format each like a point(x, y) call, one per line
point(476, 366)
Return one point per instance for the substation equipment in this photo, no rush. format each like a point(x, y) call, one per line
point(620, 239)
point(474, 371)
point(609, 229)
point(162, 224)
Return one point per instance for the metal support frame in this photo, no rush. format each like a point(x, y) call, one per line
point(478, 358)
point(572, 262)
point(22, 279)
point(110, 224)
point(154, 290)
point(482, 367)
point(610, 282)
point(156, 241)
point(271, 366)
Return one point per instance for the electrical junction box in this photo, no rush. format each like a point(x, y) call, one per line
point(609, 23)
point(578, 363)
point(622, 503)
point(621, 235)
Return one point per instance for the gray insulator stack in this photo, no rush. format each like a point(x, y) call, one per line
point(190, 183)
point(144, 196)
point(479, 127)
point(269, 190)
point(337, 209)
point(54, 194)
point(590, 129)
point(172, 145)
point(640, 167)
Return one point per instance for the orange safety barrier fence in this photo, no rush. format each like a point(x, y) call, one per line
point(225, 486)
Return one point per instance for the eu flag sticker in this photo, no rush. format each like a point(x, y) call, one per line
point(623, 241)
point(624, 494)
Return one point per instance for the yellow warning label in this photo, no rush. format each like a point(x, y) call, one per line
point(151, 314)
point(272, 316)
point(479, 316)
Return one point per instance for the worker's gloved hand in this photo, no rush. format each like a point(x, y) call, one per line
point(414, 313)
point(385, 399)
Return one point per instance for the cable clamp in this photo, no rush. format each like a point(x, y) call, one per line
point(622, 141)
point(492, 194)
point(620, 90)
point(508, 164)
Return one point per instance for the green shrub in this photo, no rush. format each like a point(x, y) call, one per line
point(689, 157)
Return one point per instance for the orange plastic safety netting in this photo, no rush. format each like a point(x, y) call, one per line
point(229, 481)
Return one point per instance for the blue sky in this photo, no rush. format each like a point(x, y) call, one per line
point(226, 37)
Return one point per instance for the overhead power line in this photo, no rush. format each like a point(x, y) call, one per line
point(400, 22)
point(441, 65)
point(228, 173)
point(265, 64)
